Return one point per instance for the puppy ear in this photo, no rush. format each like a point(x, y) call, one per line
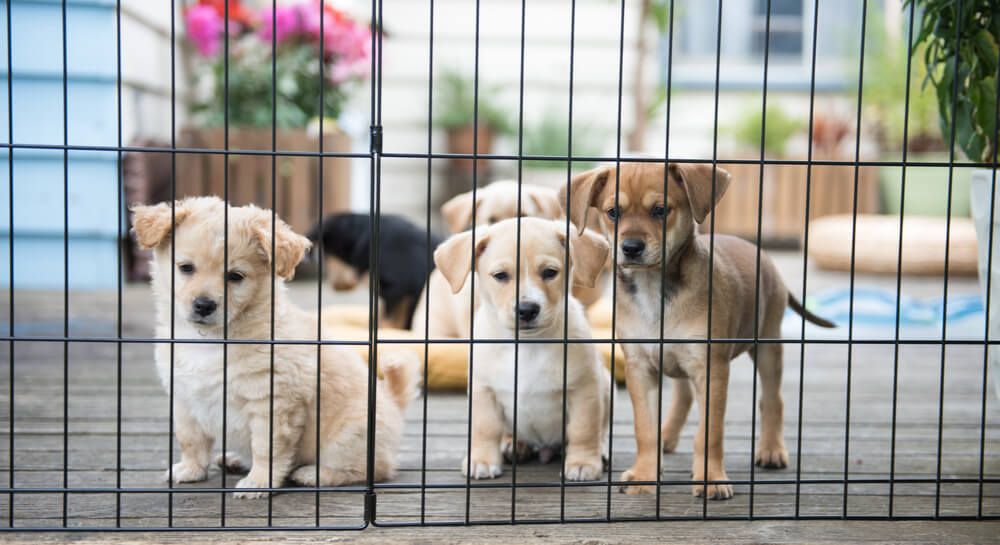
point(457, 211)
point(289, 246)
point(589, 252)
point(696, 179)
point(153, 224)
point(546, 201)
point(453, 257)
point(584, 189)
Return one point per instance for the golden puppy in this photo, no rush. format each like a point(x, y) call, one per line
point(680, 262)
point(190, 277)
point(532, 305)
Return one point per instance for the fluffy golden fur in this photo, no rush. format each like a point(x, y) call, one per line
point(190, 281)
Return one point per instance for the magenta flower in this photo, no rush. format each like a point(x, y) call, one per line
point(283, 20)
point(204, 28)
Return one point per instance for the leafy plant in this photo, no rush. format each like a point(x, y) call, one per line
point(959, 42)
point(550, 137)
point(457, 101)
point(781, 127)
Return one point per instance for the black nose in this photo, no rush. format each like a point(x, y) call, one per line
point(203, 306)
point(633, 247)
point(527, 311)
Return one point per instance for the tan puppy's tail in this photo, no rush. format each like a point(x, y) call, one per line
point(795, 305)
point(400, 370)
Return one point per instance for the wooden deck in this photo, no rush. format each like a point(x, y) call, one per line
point(87, 445)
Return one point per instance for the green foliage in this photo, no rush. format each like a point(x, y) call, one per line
point(966, 31)
point(781, 127)
point(550, 137)
point(456, 102)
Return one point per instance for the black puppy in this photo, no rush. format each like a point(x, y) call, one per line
point(404, 259)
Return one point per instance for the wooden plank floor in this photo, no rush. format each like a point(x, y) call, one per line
point(85, 452)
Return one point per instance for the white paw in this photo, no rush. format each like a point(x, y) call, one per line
point(247, 482)
point(584, 470)
point(481, 469)
point(186, 472)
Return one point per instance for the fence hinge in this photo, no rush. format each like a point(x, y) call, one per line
point(376, 137)
point(370, 506)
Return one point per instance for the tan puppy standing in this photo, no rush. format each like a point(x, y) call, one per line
point(701, 372)
point(536, 312)
point(189, 240)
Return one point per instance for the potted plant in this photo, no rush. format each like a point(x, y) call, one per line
point(550, 137)
point(455, 111)
point(285, 39)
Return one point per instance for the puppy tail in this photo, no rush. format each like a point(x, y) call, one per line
point(400, 370)
point(799, 309)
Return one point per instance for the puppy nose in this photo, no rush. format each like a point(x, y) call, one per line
point(633, 247)
point(527, 311)
point(203, 306)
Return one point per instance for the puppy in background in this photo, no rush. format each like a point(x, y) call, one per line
point(191, 282)
point(404, 259)
point(536, 312)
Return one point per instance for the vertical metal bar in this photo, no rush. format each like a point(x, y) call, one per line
point(472, 267)
point(614, 252)
point(711, 259)
point(10, 219)
point(566, 264)
point(805, 260)
point(947, 255)
point(319, 253)
point(663, 259)
point(274, 222)
point(899, 263)
point(854, 237)
point(225, 253)
point(173, 269)
point(756, 282)
point(429, 263)
point(121, 250)
point(65, 415)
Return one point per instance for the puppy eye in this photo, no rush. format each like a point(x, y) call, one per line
point(613, 213)
point(659, 211)
point(501, 276)
point(235, 276)
point(186, 268)
point(548, 273)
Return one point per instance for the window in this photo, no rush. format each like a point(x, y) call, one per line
point(786, 28)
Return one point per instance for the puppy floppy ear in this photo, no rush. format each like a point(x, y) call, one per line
point(153, 224)
point(457, 211)
point(696, 179)
point(546, 201)
point(584, 190)
point(453, 258)
point(589, 252)
point(289, 246)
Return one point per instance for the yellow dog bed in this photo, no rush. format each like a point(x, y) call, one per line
point(447, 363)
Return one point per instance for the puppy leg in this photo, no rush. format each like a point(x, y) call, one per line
point(484, 462)
point(714, 389)
point(272, 456)
point(584, 435)
point(771, 452)
point(680, 405)
point(306, 476)
point(196, 447)
point(640, 381)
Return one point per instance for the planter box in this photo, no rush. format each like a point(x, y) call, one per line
point(296, 177)
point(783, 215)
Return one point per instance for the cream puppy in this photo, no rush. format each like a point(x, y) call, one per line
point(536, 312)
point(191, 278)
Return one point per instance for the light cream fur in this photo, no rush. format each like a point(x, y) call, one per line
point(196, 370)
point(538, 278)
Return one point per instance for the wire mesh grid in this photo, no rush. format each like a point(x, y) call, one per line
point(419, 492)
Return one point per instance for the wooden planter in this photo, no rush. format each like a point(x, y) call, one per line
point(783, 214)
point(296, 177)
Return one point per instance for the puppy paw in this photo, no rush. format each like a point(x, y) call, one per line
point(232, 462)
point(721, 491)
point(772, 458)
point(186, 472)
point(670, 443)
point(522, 453)
point(481, 468)
point(638, 474)
point(249, 482)
point(584, 469)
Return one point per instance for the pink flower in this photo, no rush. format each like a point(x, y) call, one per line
point(204, 28)
point(283, 20)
